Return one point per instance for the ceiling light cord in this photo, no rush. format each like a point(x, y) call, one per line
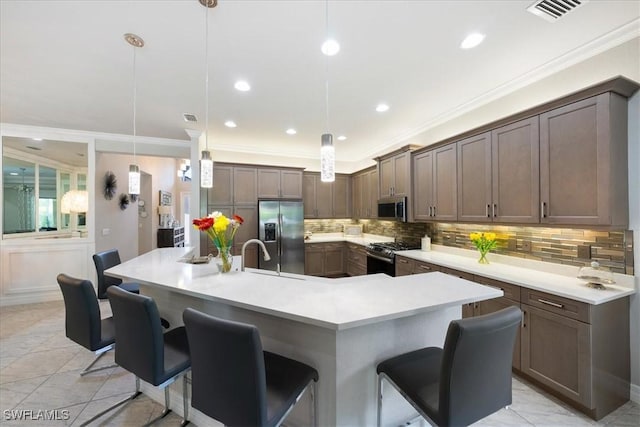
point(206, 79)
point(326, 82)
point(135, 101)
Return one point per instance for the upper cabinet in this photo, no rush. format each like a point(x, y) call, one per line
point(279, 183)
point(326, 199)
point(394, 173)
point(583, 162)
point(498, 174)
point(233, 185)
point(435, 184)
point(365, 194)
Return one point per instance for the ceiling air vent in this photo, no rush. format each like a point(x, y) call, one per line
point(190, 117)
point(552, 10)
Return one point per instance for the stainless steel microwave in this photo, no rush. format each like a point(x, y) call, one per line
point(393, 209)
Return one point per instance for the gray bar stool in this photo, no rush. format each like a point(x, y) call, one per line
point(467, 380)
point(82, 322)
point(235, 382)
point(103, 261)
point(157, 358)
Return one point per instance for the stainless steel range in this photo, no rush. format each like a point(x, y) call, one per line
point(381, 257)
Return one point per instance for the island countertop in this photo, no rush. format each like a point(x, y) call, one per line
point(330, 303)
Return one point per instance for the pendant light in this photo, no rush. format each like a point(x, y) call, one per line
point(327, 151)
point(134, 170)
point(206, 162)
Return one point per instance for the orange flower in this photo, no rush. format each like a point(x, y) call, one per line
point(238, 219)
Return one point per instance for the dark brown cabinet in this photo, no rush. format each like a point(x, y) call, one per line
point(279, 183)
point(498, 174)
point(171, 237)
point(435, 184)
point(324, 259)
point(583, 162)
point(365, 194)
point(406, 266)
point(356, 260)
point(232, 186)
point(326, 199)
point(394, 173)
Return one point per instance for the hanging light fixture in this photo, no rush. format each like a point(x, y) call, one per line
point(327, 152)
point(134, 170)
point(206, 162)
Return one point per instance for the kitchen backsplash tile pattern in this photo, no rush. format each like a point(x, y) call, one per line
point(572, 246)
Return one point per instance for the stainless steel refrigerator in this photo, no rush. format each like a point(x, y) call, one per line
point(281, 229)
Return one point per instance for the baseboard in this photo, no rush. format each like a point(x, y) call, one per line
point(635, 393)
point(30, 298)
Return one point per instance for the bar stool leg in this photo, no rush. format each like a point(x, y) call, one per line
point(379, 401)
point(185, 401)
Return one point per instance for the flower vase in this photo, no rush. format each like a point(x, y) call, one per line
point(224, 259)
point(483, 258)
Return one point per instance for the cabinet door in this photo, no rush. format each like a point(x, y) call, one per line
point(402, 174)
point(404, 266)
point(422, 185)
point(356, 196)
point(574, 163)
point(221, 194)
point(291, 184)
point(334, 259)
point(445, 200)
point(324, 199)
point(474, 178)
point(309, 198)
point(314, 259)
point(341, 197)
point(556, 351)
point(269, 183)
point(372, 204)
point(249, 229)
point(245, 186)
point(497, 304)
point(516, 172)
point(385, 167)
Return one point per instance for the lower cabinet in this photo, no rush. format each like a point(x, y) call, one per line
point(324, 259)
point(356, 260)
point(407, 266)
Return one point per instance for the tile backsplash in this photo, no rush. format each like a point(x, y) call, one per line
point(572, 246)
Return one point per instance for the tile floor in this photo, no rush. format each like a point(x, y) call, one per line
point(39, 369)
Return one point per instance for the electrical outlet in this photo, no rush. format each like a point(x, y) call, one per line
point(526, 245)
point(584, 251)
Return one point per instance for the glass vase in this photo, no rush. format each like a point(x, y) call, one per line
point(483, 257)
point(224, 259)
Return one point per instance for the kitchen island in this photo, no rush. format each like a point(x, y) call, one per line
point(342, 327)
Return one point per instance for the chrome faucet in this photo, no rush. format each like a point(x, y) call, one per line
point(261, 244)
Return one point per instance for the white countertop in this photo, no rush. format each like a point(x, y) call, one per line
point(557, 279)
point(363, 240)
point(330, 303)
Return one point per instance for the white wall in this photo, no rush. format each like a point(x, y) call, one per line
point(122, 226)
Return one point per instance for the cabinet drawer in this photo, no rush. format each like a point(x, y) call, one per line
point(354, 269)
point(357, 258)
point(424, 267)
point(404, 266)
point(511, 292)
point(314, 247)
point(555, 304)
point(458, 273)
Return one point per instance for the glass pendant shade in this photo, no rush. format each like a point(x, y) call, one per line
point(134, 179)
point(327, 159)
point(206, 170)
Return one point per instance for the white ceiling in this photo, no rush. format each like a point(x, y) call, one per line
point(65, 64)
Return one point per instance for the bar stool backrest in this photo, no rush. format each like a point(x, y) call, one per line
point(82, 313)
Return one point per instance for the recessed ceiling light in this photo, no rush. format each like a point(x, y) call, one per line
point(13, 173)
point(291, 131)
point(330, 47)
point(342, 138)
point(37, 139)
point(472, 40)
point(242, 86)
point(230, 124)
point(381, 108)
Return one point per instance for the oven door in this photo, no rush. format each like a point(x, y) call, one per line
point(378, 264)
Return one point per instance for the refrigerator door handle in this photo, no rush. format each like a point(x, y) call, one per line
point(279, 242)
